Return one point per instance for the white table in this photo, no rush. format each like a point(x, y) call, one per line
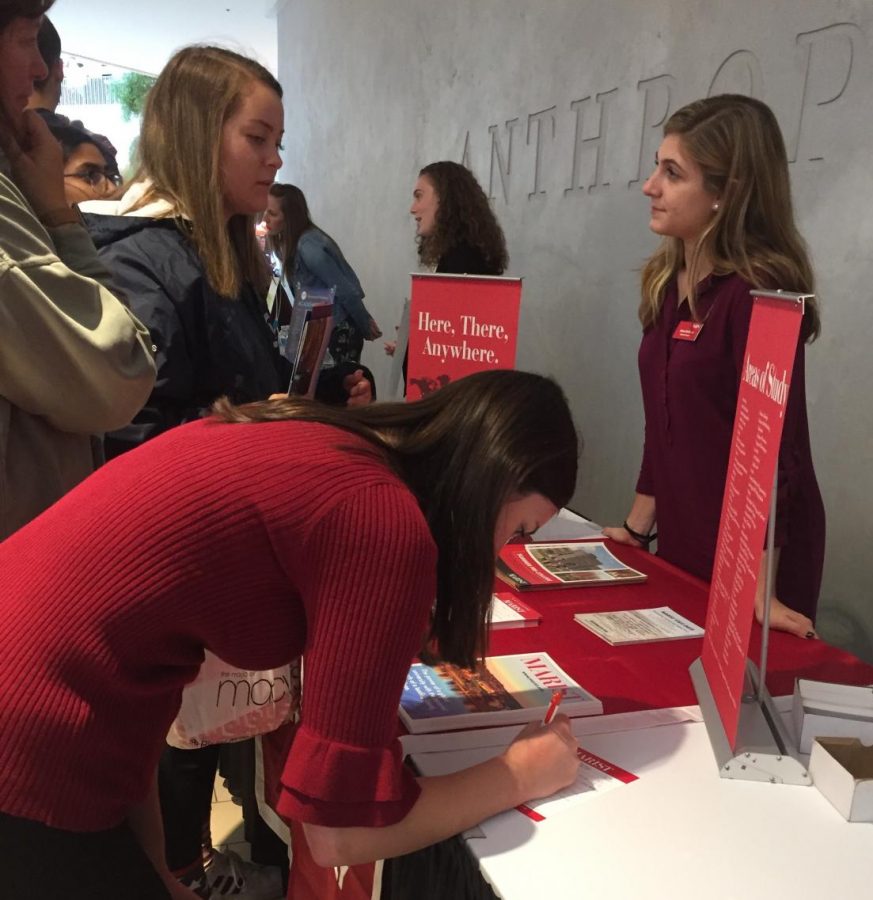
point(677, 832)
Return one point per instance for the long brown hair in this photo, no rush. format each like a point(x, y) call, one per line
point(464, 451)
point(464, 216)
point(737, 143)
point(295, 213)
point(198, 90)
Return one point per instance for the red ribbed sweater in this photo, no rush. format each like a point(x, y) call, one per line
point(259, 542)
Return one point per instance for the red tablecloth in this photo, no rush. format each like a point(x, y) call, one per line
point(654, 676)
point(628, 678)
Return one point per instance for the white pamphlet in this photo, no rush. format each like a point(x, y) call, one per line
point(637, 626)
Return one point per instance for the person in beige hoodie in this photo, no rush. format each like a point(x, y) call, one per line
point(74, 361)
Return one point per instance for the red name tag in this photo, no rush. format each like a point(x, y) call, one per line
point(687, 331)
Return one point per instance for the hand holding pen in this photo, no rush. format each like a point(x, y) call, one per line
point(543, 756)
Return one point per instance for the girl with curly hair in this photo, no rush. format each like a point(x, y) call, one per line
point(456, 228)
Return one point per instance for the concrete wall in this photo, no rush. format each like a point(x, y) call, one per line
point(557, 107)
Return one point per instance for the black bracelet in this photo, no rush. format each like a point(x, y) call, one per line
point(644, 539)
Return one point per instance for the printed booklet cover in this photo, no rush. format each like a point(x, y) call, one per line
point(639, 626)
point(505, 690)
point(507, 611)
point(315, 334)
point(537, 566)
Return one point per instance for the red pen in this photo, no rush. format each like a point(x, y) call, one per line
point(557, 697)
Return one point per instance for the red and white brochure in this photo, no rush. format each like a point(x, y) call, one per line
point(596, 776)
point(569, 564)
point(507, 611)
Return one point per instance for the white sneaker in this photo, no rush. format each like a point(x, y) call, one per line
point(228, 875)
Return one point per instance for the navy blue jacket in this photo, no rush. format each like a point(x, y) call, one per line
point(207, 345)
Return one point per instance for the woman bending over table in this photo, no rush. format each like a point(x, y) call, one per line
point(274, 530)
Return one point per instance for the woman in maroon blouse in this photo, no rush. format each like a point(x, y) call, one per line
point(721, 199)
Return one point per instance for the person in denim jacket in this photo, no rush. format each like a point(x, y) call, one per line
point(312, 259)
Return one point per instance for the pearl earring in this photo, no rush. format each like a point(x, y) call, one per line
point(715, 207)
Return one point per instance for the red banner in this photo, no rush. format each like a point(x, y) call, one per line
point(458, 325)
point(763, 394)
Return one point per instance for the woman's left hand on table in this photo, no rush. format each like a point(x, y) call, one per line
point(782, 618)
point(620, 535)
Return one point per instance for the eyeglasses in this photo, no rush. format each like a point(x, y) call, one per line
point(97, 178)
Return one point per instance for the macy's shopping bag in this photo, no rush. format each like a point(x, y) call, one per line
point(224, 704)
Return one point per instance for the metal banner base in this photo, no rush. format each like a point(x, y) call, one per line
point(764, 750)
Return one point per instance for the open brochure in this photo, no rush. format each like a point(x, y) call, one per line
point(639, 626)
point(576, 564)
point(507, 611)
point(504, 690)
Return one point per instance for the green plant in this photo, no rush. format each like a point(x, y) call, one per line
point(130, 91)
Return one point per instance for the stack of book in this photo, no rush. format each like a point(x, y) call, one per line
point(501, 690)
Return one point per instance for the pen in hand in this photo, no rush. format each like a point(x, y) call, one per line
point(557, 697)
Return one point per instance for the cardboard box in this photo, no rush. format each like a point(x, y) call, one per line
point(842, 769)
point(821, 709)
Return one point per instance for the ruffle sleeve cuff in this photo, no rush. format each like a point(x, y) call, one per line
point(340, 785)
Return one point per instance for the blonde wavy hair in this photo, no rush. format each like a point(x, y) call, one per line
point(737, 143)
point(179, 151)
